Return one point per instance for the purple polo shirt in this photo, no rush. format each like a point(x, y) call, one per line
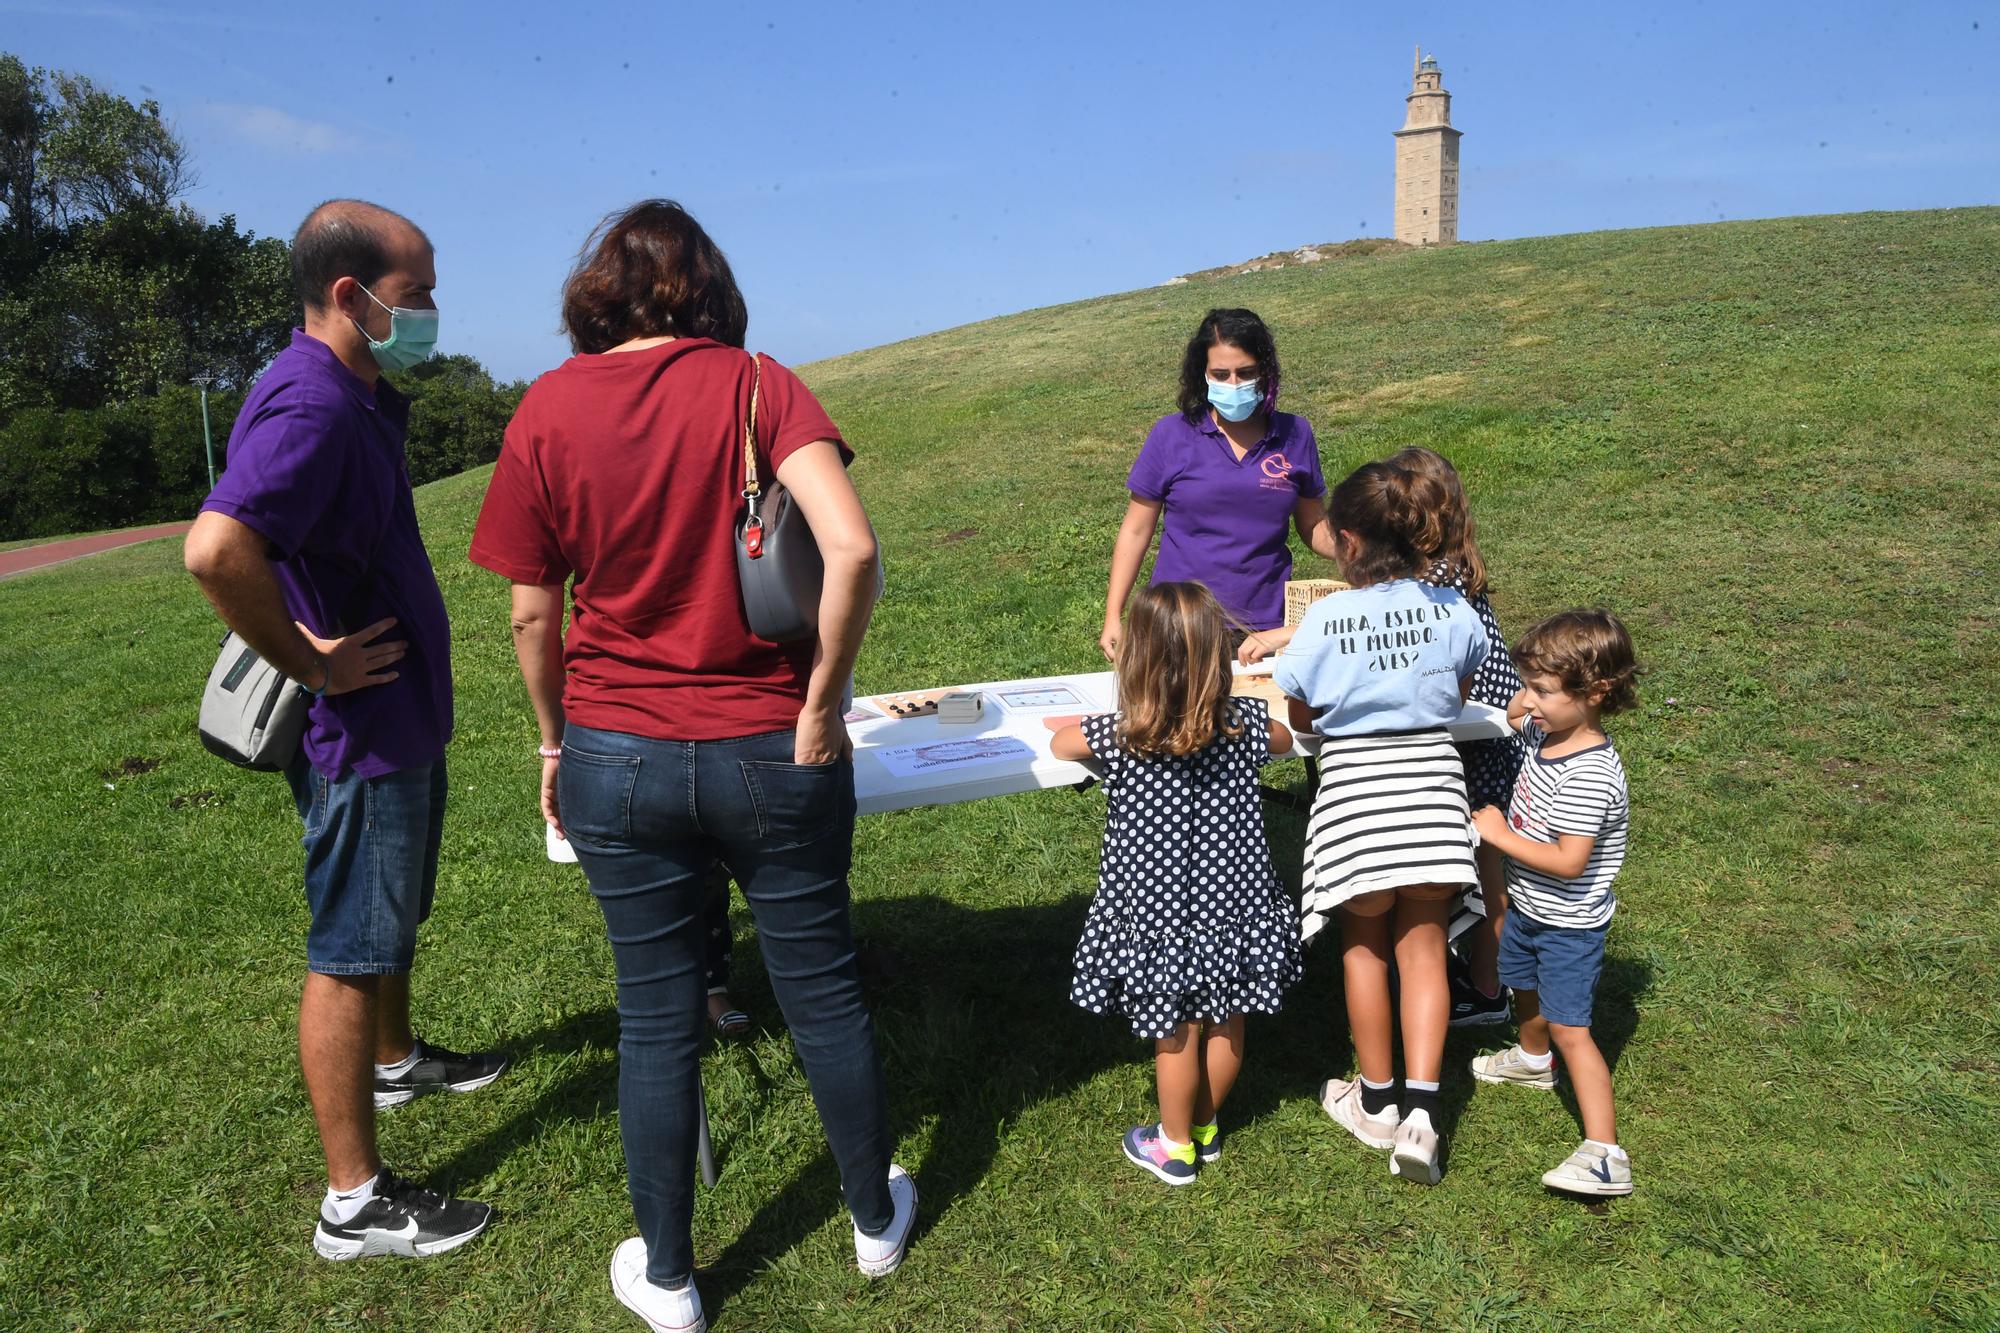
point(1225, 519)
point(315, 467)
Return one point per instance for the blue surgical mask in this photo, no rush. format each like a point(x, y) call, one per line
point(413, 336)
point(1235, 402)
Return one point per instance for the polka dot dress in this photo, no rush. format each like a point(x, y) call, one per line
point(1491, 766)
point(1190, 922)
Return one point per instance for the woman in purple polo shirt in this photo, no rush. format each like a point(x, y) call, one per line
point(1230, 476)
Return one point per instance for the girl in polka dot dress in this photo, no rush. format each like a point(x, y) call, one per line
point(1190, 928)
point(1491, 766)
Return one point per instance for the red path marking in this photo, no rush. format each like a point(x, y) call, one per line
point(25, 559)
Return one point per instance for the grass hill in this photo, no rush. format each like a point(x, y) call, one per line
point(1770, 445)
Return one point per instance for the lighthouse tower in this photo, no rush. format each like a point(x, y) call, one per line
point(1427, 161)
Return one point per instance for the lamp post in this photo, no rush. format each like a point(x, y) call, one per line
point(201, 382)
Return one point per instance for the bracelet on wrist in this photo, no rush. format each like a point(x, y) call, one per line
point(549, 751)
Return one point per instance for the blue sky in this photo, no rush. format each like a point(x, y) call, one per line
point(877, 171)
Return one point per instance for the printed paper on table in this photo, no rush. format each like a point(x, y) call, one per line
point(935, 756)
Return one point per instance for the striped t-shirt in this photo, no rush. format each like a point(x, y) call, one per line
point(1579, 793)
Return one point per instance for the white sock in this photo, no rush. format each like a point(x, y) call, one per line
point(402, 1066)
point(1611, 1150)
point(1378, 1087)
point(1537, 1062)
point(1421, 1119)
point(1418, 1085)
point(340, 1206)
point(1170, 1145)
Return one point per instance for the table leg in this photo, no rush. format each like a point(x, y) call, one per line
point(704, 1147)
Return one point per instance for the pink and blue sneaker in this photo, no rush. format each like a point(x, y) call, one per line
point(1148, 1150)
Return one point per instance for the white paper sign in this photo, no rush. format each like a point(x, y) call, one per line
point(1041, 699)
point(908, 761)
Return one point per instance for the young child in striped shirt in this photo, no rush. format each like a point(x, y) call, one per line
point(1564, 838)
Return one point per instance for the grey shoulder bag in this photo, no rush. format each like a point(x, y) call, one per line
point(251, 713)
point(777, 561)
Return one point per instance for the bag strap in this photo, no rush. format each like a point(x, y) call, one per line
point(753, 491)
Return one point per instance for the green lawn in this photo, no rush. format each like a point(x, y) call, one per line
point(1770, 446)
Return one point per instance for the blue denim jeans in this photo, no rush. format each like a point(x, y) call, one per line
point(648, 818)
point(1560, 964)
point(371, 864)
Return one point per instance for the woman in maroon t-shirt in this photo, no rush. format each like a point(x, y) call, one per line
point(672, 736)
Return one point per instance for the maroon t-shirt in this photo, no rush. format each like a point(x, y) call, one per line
point(625, 470)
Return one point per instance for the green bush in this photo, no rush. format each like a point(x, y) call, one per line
point(142, 461)
point(458, 415)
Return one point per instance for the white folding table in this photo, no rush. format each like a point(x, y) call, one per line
point(1016, 716)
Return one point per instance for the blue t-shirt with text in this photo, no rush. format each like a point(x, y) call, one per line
point(1383, 658)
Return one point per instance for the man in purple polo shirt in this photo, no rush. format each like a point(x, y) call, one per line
point(308, 548)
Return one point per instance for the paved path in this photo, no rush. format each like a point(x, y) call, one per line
point(26, 559)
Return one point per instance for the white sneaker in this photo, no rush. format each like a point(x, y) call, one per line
point(882, 1255)
point(1415, 1155)
point(1342, 1100)
point(1591, 1170)
point(1511, 1066)
point(664, 1310)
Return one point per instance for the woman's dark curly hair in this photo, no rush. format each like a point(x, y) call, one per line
point(1238, 328)
point(651, 272)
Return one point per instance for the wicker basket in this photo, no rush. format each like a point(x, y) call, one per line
point(1302, 593)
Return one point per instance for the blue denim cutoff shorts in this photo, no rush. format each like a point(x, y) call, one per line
point(371, 864)
point(1560, 964)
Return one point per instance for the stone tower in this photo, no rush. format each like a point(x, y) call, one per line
point(1427, 161)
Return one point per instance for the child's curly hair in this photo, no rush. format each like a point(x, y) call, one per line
point(1583, 649)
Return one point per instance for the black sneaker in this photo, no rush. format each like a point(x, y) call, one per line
point(402, 1219)
point(438, 1069)
point(1469, 1008)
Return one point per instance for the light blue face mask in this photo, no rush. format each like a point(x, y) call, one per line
point(1235, 402)
point(413, 336)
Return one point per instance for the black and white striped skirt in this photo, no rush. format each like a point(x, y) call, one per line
point(1390, 813)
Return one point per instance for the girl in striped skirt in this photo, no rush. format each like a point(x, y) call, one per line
point(1491, 766)
point(1379, 671)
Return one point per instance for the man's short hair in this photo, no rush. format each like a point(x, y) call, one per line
point(344, 238)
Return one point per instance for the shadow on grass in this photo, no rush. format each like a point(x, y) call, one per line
point(584, 1095)
point(974, 1023)
point(1291, 1053)
point(975, 1026)
point(973, 1019)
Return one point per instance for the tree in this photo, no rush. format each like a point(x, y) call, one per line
point(110, 286)
point(114, 293)
point(24, 113)
point(458, 416)
point(105, 156)
point(72, 152)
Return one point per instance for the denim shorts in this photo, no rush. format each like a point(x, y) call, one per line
point(1560, 964)
point(371, 864)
